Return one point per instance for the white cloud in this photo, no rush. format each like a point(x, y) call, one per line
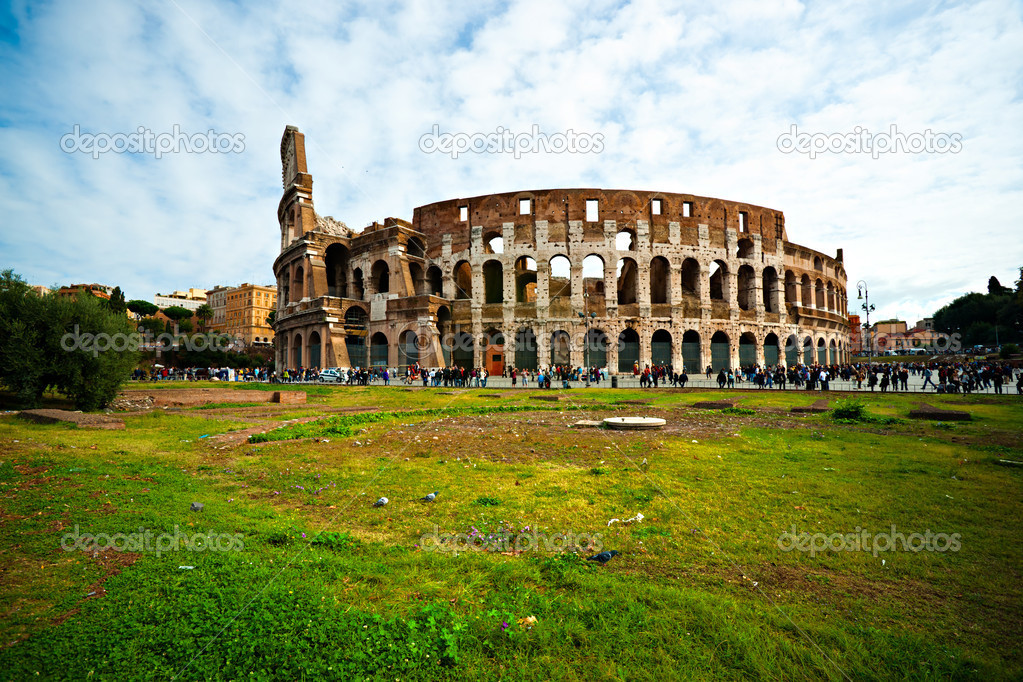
point(690, 97)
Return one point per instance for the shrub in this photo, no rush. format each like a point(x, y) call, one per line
point(849, 408)
point(1008, 350)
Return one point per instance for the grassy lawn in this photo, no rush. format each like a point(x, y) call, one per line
point(306, 580)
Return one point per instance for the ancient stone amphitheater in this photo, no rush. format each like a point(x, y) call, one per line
point(585, 277)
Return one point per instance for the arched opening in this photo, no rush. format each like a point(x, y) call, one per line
point(336, 259)
point(822, 352)
point(380, 273)
point(494, 350)
point(791, 287)
point(493, 282)
point(690, 277)
point(314, 350)
point(462, 350)
point(296, 352)
point(358, 289)
point(493, 243)
point(408, 349)
point(444, 333)
point(560, 348)
point(769, 283)
point(627, 283)
point(691, 359)
point(298, 285)
point(378, 350)
point(720, 352)
point(807, 351)
point(747, 350)
point(744, 249)
point(463, 280)
point(355, 336)
point(771, 353)
point(560, 279)
point(718, 281)
point(525, 349)
point(525, 280)
point(596, 348)
point(832, 353)
point(628, 351)
point(818, 264)
point(418, 277)
point(819, 298)
point(625, 240)
point(284, 352)
point(434, 281)
point(660, 280)
point(415, 248)
point(831, 296)
point(747, 293)
point(792, 351)
point(594, 295)
point(660, 348)
point(807, 292)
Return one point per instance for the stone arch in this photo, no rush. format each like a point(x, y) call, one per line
point(493, 242)
point(660, 280)
point(315, 350)
point(791, 287)
point(493, 282)
point(296, 351)
point(525, 280)
point(806, 287)
point(463, 349)
point(380, 274)
point(807, 351)
point(818, 299)
point(358, 286)
point(690, 277)
point(661, 348)
point(298, 285)
point(830, 296)
point(434, 281)
point(560, 348)
point(415, 248)
point(493, 349)
point(720, 351)
point(719, 281)
point(625, 239)
point(818, 264)
point(559, 277)
point(596, 348)
point(627, 281)
point(832, 353)
point(746, 280)
point(336, 259)
point(628, 350)
point(418, 277)
point(769, 284)
point(771, 350)
point(378, 347)
point(355, 335)
point(526, 349)
point(463, 280)
point(747, 350)
point(792, 350)
point(691, 356)
point(744, 248)
point(408, 349)
point(443, 325)
point(822, 351)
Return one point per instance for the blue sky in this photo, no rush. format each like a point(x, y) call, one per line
point(689, 97)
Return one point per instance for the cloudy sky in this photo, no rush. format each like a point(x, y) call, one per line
point(686, 96)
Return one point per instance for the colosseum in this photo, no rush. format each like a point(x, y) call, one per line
point(586, 277)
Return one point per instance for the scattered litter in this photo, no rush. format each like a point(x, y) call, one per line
point(828, 469)
point(206, 435)
point(637, 517)
point(528, 622)
point(186, 568)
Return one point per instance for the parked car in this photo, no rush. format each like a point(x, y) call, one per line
point(331, 374)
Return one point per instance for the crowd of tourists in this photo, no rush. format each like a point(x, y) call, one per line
point(160, 373)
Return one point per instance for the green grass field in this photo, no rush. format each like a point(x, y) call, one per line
point(315, 583)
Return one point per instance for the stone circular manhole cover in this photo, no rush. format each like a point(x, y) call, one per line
point(634, 423)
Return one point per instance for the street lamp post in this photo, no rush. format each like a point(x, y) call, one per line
point(864, 295)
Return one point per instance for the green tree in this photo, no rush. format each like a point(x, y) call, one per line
point(272, 317)
point(76, 345)
point(177, 313)
point(116, 302)
point(143, 308)
point(205, 314)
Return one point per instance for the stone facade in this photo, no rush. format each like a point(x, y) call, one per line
point(614, 278)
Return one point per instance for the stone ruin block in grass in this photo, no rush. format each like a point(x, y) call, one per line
point(714, 405)
point(288, 397)
point(79, 419)
point(819, 407)
point(925, 411)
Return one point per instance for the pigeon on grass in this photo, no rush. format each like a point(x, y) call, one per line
point(381, 502)
point(429, 498)
point(604, 557)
